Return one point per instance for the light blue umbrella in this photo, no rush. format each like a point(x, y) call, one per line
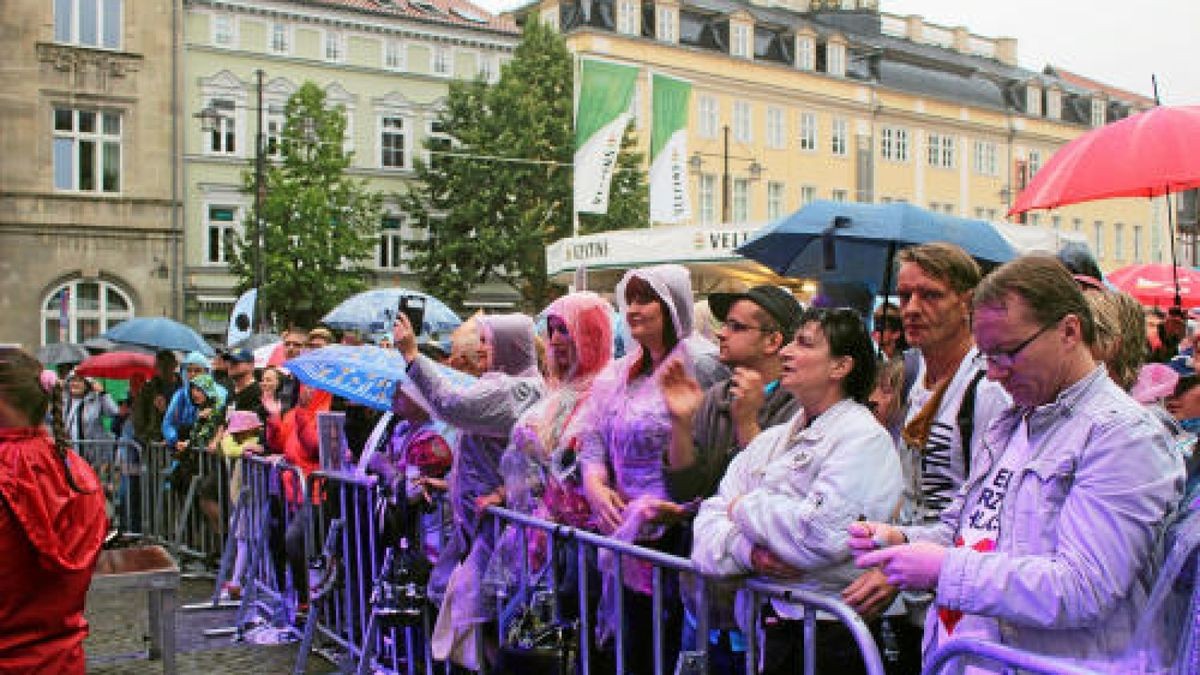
point(160, 333)
point(361, 374)
point(844, 241)
point(373, 312)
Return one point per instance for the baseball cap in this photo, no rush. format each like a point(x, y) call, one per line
point(778, 303)
point(241, 355)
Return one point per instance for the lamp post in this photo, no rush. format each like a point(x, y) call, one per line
point(696, 162)
point(209, 121)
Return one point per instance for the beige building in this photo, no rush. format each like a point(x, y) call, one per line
point(88, 198)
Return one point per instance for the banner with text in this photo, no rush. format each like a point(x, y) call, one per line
point(605, 92)
point(669, 201)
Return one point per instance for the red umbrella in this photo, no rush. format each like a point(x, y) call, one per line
point(1144, 155)
point(1153, 284)
point(117, 366)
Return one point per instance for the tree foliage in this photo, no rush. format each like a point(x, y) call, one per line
point(490, 208)
point(320, 226)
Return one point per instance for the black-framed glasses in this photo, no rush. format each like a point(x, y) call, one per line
point(1006, 358)
point(738, 327)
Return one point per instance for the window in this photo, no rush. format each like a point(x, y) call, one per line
point(1098, 113)
point(741, 200)
point(441, 61)
point(708, 198)
point(840, 195)
point(436, 140)
point(223, 30)
point(838, 137)
point(273, 130)
point(1034, 163)
point(893, 144)
point(1054, 104)
point(774, 200)
point(808, 131)
point(335, 47)
point(775, 128)
point(1035, 219)
point(281, 38)
point(941, 151)
point(808, 195)
point(91, 23)
point(710, 119)
point(1033, 100)
point(742, 123)
point(1118, 241)
point(985, 160)
point(393, 142)
point(739, 41)
point(835, 59)
point(1077, 224)
point(627, 17)
point(395, 55)
point(1137, 243)
point(487, 67)
point(83, 309)
point(87, 150)
point(665, 27)
point(222, 140)
point(391, 244)
point(1056, 223)
point(220, 233)
point(1098, 237)
point(806, 53)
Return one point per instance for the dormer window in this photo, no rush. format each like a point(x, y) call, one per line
point(627, 17)
point(1033, 100)
point(835, 59)
point(739, 41)
point(806, 52)
point(1099, 116)
point(1054, 104)
point(664, 26)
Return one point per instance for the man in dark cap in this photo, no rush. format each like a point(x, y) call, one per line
point(244, 391)
point(710, 427)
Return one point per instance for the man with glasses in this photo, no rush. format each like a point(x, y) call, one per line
point(710, 427)
point(1050, 545)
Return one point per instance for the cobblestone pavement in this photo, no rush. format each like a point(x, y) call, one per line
point(119, 626)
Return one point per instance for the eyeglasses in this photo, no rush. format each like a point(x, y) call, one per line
point(738, 327)
point(1006, 358)
point(293, 345)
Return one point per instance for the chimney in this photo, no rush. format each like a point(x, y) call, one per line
point(962, 40)
point(915, 29)
point(1006, 50)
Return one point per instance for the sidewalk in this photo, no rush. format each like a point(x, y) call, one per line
point(117, 642)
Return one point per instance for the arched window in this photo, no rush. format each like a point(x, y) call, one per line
point(82, 309)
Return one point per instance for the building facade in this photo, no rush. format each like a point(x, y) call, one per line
point(387, 64)
point(807, 99)
point(89, 202)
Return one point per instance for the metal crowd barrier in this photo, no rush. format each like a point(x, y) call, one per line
point(1001, 655)
point(118, 464)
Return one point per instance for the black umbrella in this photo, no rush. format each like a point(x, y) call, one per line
point(61, 353)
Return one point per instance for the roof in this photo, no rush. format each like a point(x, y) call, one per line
point(449, 12)
point(1092, 85)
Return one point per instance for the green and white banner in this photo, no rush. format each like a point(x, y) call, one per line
point(605, 92)
point(669, 201)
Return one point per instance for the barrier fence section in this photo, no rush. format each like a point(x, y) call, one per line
point(976, 651)
point(186, 496)
point(119, 464)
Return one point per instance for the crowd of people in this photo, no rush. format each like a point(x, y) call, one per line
point(990, 456)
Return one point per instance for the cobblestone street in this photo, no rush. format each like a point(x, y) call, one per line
point(118, 639)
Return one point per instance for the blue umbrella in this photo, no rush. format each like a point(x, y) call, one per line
point(374, 311)
point(362, 374)
point(843, 241)
point(160, 333)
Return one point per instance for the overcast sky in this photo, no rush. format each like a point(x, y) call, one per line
point(1118, 43)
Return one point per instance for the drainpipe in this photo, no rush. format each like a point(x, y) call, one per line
point(176, 166)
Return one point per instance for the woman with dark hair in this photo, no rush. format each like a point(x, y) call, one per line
point(787, 499)
point(52, 523)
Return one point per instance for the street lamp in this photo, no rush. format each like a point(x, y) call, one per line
point(209, 120)
point(696, 162)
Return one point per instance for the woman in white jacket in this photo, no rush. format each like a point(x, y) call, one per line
point(786, 500)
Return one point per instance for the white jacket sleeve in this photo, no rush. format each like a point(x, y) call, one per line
point(489, 406)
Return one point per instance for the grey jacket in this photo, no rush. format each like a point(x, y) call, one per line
point(1079, 526)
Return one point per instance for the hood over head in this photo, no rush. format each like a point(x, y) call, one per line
point(589, 322)
point(671, 283)
point(513, 349)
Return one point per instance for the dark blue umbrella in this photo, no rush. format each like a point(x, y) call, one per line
point(160, 333)
point(362, 374)
point(373, 312)
point(844, 241)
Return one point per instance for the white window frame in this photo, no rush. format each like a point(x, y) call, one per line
point(105, 316)
point(776, 128)
point(96, 145)
point(488, 70)
point(431, 132)
point(806, 135)
point(227, 126)
point(741, 39)
point(227, 232)
point(664, 26)
point(839, 137)
point(69, 28)
point(279, 38)
point(806, 53)
point(333, 46)
point(390, 256)
point(1033, 163)
point(224, 30)
point(395, 55)
point(986, 158)
point(940, 150)
point(1033, 100)
point(835, 59)
point(893, 144)
point(1098, 237)
point(1119, 242)
point(740, 208)
point(808, 195)
point(709, 115)
point(1099, 112)
point(382, 121)
point(1138, 252)
point(839, 195)
point(274, 121)
point(441, 61)
point(627, 17)
point(743, 122)
point(708, 198)
point(776, 198)
point(1054, 103)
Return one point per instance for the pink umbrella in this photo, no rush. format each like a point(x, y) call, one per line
point(1154, 284)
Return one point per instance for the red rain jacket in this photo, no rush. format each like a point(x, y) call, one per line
point(50, 536)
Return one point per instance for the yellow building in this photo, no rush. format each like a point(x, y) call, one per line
point(794, 101)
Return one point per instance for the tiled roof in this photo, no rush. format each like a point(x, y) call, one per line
point(451, 12)
point(1092, 85)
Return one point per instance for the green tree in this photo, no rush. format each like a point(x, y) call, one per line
point(320, 226)
point(629, 196)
